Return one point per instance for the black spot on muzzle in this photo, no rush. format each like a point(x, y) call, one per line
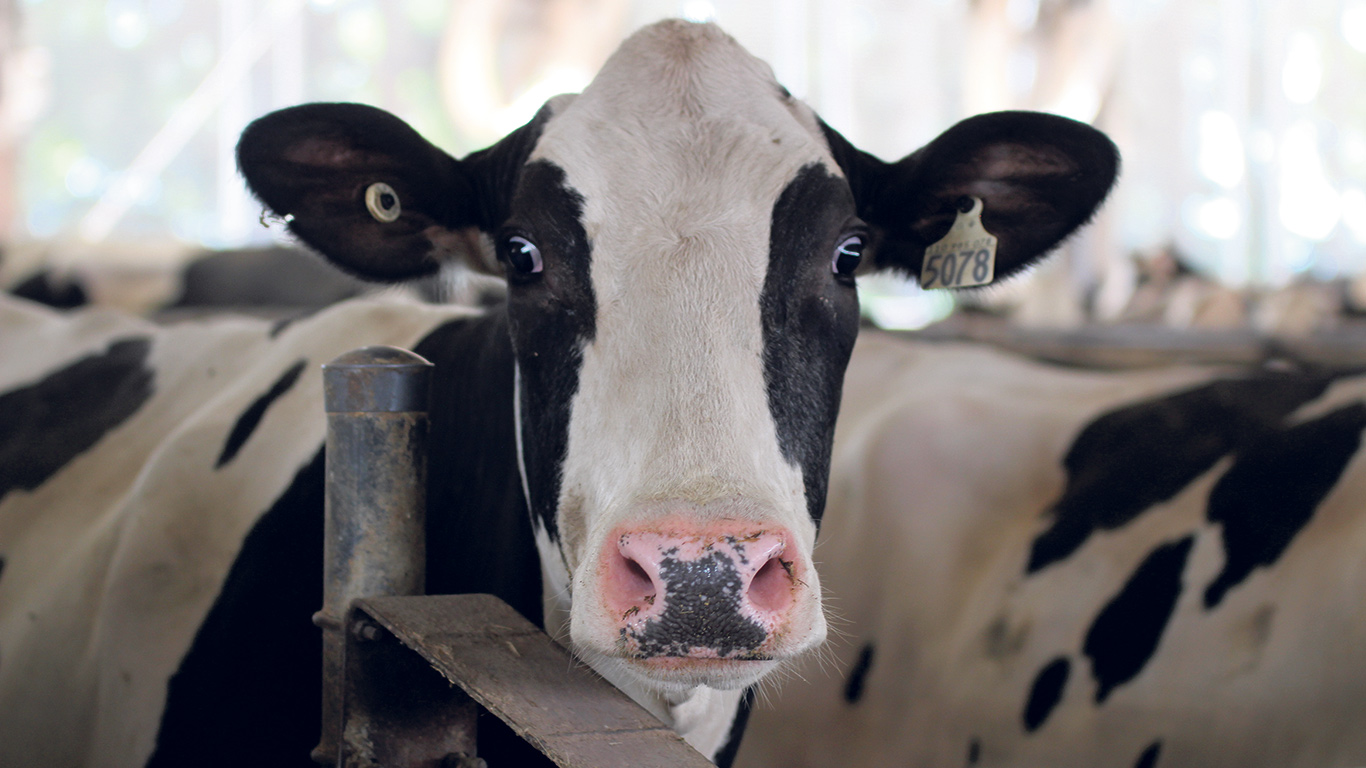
point(703, 599)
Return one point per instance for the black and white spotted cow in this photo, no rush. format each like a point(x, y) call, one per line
point(158, 491)
point(634, 449)
point(271, 279)
point(1141, 568)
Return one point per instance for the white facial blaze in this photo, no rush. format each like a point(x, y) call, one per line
point(680, 148)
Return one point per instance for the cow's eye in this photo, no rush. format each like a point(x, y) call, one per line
point(522, 255)
point(847, 256)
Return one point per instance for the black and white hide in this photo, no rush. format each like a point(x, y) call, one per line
point(634, 449)
point(1039, 565)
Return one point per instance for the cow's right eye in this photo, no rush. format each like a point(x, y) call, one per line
point(522, 255)
point(847, 256)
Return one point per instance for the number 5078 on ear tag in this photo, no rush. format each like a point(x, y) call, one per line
point(965, 257)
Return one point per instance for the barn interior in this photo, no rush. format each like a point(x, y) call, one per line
point(1236, 231)
point(1234, 239)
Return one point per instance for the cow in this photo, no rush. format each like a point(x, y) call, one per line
point(1153, 567)
point(271, 279)
point(632, 450)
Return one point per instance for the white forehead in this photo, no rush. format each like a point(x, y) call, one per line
point(680, 148)
point(682, 133)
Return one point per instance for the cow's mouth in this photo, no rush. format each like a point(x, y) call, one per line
point(730, 636)
point(702, 655)
point(690, 671)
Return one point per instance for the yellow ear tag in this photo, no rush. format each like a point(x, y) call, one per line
point(383, 203)
point(965, 257)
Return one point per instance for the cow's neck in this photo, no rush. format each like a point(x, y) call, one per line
point(479, 534)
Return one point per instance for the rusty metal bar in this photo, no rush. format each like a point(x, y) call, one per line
point(397, 711)
point(375, 502)
point(479, 645)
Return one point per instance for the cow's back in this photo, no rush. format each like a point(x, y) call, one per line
point(155, 450)
point(1156, 640)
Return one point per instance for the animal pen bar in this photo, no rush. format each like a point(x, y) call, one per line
point(375, 501)
point(405, 675)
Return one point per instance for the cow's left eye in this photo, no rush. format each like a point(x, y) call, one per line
point(847, 256)
point(522, 255)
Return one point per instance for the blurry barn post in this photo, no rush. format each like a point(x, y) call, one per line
point(375, 505)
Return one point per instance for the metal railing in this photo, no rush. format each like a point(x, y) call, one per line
point(406, 677)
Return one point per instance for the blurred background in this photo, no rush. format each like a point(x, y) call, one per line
point(1242, 123)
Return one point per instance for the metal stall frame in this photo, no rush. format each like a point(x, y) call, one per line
point(405, 676)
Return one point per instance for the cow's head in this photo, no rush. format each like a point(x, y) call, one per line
point(680, 243)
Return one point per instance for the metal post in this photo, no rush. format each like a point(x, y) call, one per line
point(375, 502)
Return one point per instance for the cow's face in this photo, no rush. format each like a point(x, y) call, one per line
point(680, 243)
point(679, 354)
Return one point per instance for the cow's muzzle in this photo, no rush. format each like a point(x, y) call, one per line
point(723, 593)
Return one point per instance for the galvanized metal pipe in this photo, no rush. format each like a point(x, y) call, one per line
point(375, 502)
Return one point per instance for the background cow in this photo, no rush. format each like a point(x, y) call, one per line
point(157, 542)
point(284, 280)
point(652, 410)
point(1037, 565)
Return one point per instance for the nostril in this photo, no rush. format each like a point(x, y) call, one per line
point(637, 580)
point(628, 587)
point(771, 588)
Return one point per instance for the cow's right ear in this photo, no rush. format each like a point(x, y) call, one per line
point(1039, 176)
point(364, 189)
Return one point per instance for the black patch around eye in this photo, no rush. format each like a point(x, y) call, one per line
point(45, 425)
point(853, 687)
point(251, 417)
point(1046, 692)
point(550, 320)
point(1272, 491)
point(809, 322)
point(1126, 632)
point(1135, 457)
point(1148, 758)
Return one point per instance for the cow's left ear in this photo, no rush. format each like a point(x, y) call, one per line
point(1040, 177)
point(361, 187)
